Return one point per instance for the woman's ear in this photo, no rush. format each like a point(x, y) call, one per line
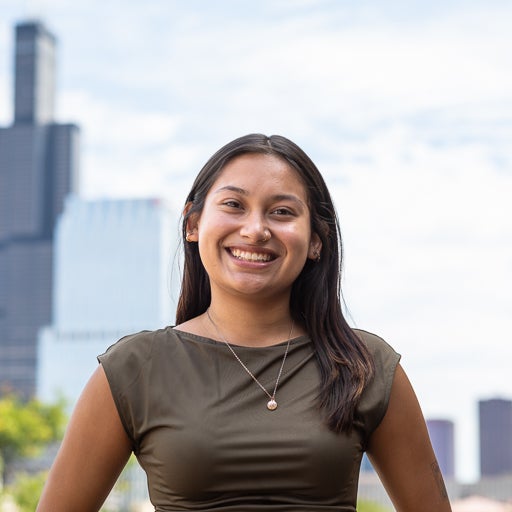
point(192, 223)
point(315, 247)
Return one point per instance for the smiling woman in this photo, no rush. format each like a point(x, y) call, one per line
point(253, 238)
point(262, 397)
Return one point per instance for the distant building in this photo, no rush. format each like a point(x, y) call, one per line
point(115, 274)
point(443, 441)
point(38, 169)
point(495, 437)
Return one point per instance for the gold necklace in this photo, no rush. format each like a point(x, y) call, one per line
point(271, 404)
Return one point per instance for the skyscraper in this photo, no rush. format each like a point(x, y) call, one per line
point(495, 436)
point(113, 276)
point(443, 441)
point(38, 169)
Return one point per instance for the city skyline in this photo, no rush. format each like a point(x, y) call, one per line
point(405, 108)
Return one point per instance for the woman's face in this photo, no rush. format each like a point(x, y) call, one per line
point(254, 232)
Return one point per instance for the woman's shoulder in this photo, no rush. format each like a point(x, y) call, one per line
point(375, 397)
point(378, 347)
point(138, 347)
point(130, 359)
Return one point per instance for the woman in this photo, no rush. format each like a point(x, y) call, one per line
point(262, 397)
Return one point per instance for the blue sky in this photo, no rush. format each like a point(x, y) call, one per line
point(406, 107)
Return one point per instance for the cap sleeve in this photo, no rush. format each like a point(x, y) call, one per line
point(375, 398)
point(125, 364)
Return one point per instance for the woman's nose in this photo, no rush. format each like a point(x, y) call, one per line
point(255, 229)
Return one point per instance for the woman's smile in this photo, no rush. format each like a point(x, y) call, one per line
point(250, 255)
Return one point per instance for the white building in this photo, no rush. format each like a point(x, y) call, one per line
point(115, 273)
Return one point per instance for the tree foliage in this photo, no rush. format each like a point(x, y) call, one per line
point(370, 506)
point(26, 489)
point(26, 427)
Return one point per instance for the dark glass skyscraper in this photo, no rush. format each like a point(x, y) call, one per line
point(442, 435)
point(495, 436)
point(38, 169)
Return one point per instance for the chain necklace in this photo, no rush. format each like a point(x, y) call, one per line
point(271, 404)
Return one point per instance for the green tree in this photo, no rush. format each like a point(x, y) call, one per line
point(370, 506)
point(26, 427)
point(26, 489)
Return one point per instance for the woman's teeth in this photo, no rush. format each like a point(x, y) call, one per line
point(250, 256)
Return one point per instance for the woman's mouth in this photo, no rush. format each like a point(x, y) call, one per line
point(244, 255)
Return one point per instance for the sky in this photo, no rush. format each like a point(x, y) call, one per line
point(406, 108)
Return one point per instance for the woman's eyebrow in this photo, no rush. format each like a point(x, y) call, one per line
point(232, 188)
point(287, 197)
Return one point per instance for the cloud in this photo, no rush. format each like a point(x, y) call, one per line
point(126, 150)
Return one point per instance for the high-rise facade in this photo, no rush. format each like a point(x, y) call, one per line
point(115, 273)
point(442, 436)
point(495, 436)
point(38, 169)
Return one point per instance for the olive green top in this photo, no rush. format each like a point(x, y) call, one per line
point(201, 429)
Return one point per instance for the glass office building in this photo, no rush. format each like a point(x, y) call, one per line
point(115, 273)
point(495, 437)
point(442, 435)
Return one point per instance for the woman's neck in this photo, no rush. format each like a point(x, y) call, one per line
point(250, 323)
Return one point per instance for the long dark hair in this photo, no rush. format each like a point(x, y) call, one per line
point(346, 365)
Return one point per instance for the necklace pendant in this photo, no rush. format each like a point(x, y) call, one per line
point(271, 405)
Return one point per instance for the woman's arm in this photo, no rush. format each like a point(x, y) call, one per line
point(402, 455)
point(94, 450)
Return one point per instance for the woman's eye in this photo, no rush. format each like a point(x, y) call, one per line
point(282, 211)
point(231, 204)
